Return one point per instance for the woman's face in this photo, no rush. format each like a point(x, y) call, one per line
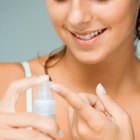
point(94, 29)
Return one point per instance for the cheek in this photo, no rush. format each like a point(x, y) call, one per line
point(120, 21)
point(116, 13)
point(57, 13)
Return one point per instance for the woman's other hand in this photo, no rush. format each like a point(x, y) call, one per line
point(24, 126)
point(96, 118)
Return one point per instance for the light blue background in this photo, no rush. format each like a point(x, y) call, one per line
point(25, 30)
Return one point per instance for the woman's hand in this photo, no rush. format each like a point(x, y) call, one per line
point(89, 121)
point(24, 126)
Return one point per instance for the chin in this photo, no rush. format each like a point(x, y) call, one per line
point(90, 59)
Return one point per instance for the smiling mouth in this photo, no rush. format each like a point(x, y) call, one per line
point(89, 36)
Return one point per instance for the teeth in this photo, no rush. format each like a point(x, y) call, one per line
point(96, 33)
point(89, 36)
point(92, 35)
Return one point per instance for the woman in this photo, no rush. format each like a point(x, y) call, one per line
point(99, 48)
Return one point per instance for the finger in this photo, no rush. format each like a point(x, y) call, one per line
point(35, 121)
point(71, 116)
point(74, 99)
point(84, 109)
point(22, 134)
point(10, 98)
point(93, 100)
point(79, 128)
point(83, 130)
point(110, 105)
point(73, 122)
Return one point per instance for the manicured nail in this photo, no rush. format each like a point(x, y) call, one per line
point(55, 87)
point(60, 134)
point(100, 89)
point(44, 77)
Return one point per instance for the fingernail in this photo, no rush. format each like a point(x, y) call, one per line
point(60, 134)
point(55, 88)
point(44, 77)
point(100, 89)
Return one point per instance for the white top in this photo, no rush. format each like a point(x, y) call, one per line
point(29, 91)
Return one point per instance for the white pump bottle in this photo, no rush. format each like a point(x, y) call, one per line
point(44, 103)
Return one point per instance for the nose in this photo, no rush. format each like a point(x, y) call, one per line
point(79, 13)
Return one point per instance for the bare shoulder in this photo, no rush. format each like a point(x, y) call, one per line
point(9, 72)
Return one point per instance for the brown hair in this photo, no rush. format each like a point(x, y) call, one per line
point(55, 56)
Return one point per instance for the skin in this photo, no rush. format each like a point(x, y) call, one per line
point(81, 16)
point(114, 65)
point(74, 16)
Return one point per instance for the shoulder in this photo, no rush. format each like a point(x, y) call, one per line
point(10, 72)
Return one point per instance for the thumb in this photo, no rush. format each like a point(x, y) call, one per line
point(110, 105)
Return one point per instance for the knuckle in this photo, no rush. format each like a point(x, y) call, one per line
point(97, 127)
point(82, 130)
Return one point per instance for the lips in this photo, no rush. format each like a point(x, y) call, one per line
point(88, 39)
point(89, 36)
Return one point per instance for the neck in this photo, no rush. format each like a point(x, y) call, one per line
point(112, 72)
